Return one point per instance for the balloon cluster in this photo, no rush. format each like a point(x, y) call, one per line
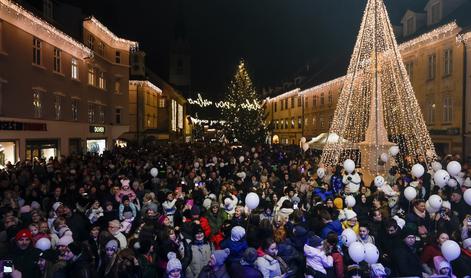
point(358, 251)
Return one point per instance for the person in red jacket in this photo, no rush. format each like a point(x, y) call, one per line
point(433, 249)
point(330, 246)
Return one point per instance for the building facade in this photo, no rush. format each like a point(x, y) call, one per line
point(59, 95)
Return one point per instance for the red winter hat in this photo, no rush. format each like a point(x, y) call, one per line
point(23, 233)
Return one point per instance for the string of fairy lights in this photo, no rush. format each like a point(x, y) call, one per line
point(204, 102)
point(377, 85)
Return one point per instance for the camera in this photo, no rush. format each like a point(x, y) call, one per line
point(7, 266)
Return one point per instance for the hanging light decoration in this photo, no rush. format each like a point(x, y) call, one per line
point(377, 107)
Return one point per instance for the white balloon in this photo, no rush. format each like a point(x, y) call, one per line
point(350, 201)
point(429, 208)
point(418, 170)
point(371, 253)
point(379, 181)
point(252, 149)
point(452, 183)
point(349, 166)
point(441, 178)
point(435, 201)
point(348, 237)
point(384, 157)
point(394, 150)
point(154, 172)
point(241, 159)
point(450, 250)
point(467, 196)
point(305, 146)
point(410, 193)
point(221, 165)
point(255, 155)
point(303, 140)
point(453, 168)
point(252, 200)
point(196, 165)
point(43, 244)
point(436, 166)
point(356, 250)
point(321, 172)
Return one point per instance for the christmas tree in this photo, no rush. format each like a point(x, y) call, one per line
point(377, 107)
point(243, 115)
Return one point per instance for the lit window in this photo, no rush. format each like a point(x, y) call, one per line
point(57, 60)
point(118, 115)
point(306, 122)
point(91, 113)
point(292, 122)
point(118, 57)
point(447, 109)
point(36, 51)
point(174, 115)
point(276, 124)
point(180, 116)
point(101, 48)
point(432, 65)
point(37, 104)
point(286, 123)
point(321, 120)
point(300, 122)
point(75, 109)
point(74, 68)
point(162, 102)
point(430, 112)
point(101, 81)
point(57, 107)
point(91, 76)
point(448, 56)
point(314, 122)
point(117, 86)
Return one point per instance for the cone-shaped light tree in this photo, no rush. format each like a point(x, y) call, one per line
point(244, 117)
point(377, 107)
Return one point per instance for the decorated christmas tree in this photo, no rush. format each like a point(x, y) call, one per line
point(377, 107)
point(243, 115)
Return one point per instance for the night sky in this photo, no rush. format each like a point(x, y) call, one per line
point(277, 38)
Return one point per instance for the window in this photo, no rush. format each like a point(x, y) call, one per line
point(447, 109)
point(274, 106)
point(430, 112)
point(432, 65)
point(91, 76)
point(276, 124)
point(117, 86)
point(286, 123)
point(306, 103)
point(321, 120)
point(331, 118)
point(174, 115)
point(91, 113)
point(57, 107)
point(322, 99)
point(330, 99)
point(101, 80)
point(306, 122)
point(118, 115)
point(300, 122)
point(300, 101)
point(75, 107)
point(410, 70)
point(101, 48)
point(409, 26)
point(57, 60)
point(448, 57)
point(36, 51)
point(435, 17)
point(117, 57)
point(48, 9)
point(282, 124)
point(74, 68)
point(292, 122)
point(101, 114)
point(37, 104)
point(161, 102)
point(314, 122)
point(180, 116)
point(314, 101)
point(292, 102)
point(91, 41)
point(286, 103)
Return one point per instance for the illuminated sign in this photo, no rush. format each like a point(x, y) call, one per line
point(97, 129)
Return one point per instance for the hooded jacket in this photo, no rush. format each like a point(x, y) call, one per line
point(316, 259)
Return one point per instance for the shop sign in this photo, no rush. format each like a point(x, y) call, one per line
point(97, 129)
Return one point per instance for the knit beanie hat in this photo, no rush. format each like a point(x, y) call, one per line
point(338, 203)
point(250, 255)
point(152, 206)
point(112, 244)
point(350, 214)
point(56, 205)
point(314, 241)
point(220, 256)
point(173, 262)
point(237, 233)
point(23, 233)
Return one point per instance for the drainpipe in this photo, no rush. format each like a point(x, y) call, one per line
point(463, 114)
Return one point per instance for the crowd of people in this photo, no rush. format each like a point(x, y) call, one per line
point(179, 210)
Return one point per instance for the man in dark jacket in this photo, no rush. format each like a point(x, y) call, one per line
point(246, 267)
point(77, 223)
point(405, 261)
point(78, 263)
point(24, 255)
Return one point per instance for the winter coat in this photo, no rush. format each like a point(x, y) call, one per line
point(268, 266)
point(405, 261)
point(216, 220)
point(80, 268)
point(441, 263)
point(24, 261)
point(201, 254)
point(133, 210)
point(316, 259)
point(237, 249)
point(430, 251)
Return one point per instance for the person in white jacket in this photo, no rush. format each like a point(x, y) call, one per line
point(316, 259)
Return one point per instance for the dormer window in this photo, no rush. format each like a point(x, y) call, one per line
point(48, 9)
point(435, 13)
point(409, 28)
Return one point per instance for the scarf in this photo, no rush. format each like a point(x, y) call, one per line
point(418, 213)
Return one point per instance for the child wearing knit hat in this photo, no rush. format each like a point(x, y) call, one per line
point(174, 266)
